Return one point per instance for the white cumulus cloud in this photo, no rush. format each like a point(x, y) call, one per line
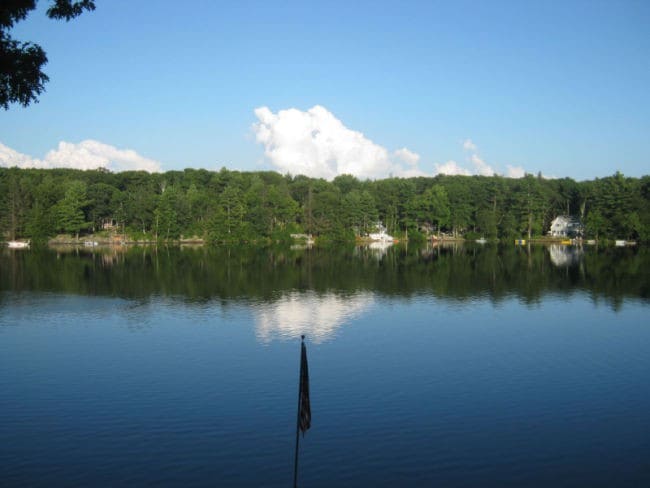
point(451, 168)
point(468, 145)
point(481, 167)
point(409, 157)
point(317, 144)
point(88, 154)
point(10, 158)
point(515, 172)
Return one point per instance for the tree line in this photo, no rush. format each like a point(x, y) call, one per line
point(263, 206)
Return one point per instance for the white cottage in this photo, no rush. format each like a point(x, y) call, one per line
point(566, 226)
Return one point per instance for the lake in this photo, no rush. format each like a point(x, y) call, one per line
point(457, 366)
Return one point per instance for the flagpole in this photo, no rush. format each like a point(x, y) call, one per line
point(295, 463)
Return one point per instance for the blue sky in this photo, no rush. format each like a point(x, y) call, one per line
point(556, 87)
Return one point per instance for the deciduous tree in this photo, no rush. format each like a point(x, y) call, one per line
point(22, 78)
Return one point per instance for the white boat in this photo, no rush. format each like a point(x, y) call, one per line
point(482, 240)
point(18, 244)
point(621, 243)
point(381, 236)
point(91, 243)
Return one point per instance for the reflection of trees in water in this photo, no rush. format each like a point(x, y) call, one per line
point(458, 273)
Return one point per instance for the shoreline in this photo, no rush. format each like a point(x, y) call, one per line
point(95, 241)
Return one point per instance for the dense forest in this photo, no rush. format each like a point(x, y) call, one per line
point(232, 206)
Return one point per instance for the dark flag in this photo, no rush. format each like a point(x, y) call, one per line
point(304, 410)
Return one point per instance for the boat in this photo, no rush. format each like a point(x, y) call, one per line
point(381, 236)
point(621, 243)
point(18, 244)
point(482, 240)
point(91, 243)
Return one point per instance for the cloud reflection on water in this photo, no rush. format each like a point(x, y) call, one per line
point(317, 316)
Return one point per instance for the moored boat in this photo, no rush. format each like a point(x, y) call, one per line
point(381, 236)
point(18, 244)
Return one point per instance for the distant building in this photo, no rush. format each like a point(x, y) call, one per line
point(109, 224)
point(566, 226)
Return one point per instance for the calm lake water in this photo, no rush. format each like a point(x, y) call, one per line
point(453, 367)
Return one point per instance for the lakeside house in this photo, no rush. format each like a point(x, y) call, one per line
point(109, 224)
point(566, 226)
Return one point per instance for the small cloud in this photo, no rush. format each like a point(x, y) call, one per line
point(317, 144)
point(482, 168)
point(468, 145)
point(451, 168)
point(409, 157)
point(88, 154)
point(515, 172)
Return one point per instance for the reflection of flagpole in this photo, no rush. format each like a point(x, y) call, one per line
point(303, 422)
